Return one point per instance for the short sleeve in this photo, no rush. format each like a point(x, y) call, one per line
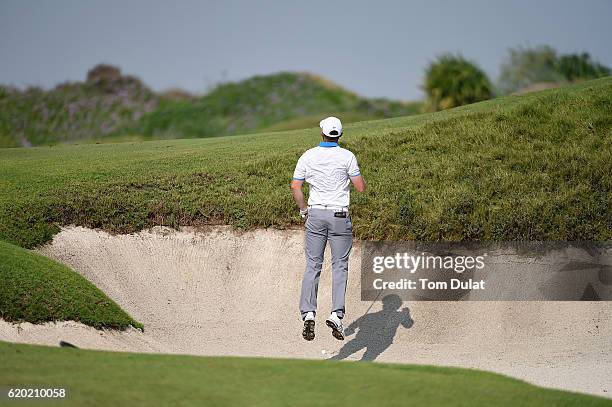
point(353, 168)
point(300, 170)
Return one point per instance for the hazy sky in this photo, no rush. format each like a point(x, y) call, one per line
point(376, 48)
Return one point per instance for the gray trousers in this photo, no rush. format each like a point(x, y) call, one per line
point(322, 226)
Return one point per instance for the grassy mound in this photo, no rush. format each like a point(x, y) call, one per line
point(36, 289)
point(261, 102)
point(72, 111)
point(117, 107)
point(105, 378)
point(533, 167)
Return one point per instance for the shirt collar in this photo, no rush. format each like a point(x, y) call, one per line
point(328, 144)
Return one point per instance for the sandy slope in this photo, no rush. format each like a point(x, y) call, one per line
point(219, 292)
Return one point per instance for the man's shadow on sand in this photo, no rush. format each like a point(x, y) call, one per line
point(376, 331)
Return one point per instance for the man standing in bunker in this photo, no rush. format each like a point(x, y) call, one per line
point(329, 170)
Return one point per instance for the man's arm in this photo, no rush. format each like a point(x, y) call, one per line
point(355, 174)
point(359, 183)
point(298, 195)
point(353, 326)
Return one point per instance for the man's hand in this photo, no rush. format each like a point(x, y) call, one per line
point(304, 213)
point(359, 183)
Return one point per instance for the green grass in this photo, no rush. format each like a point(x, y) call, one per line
point(532, 167)
point(36, 289)
point(104, 378)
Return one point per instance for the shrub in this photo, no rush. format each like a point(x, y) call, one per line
point(580, 67)
point(452, 81)
point(103, 72)
point(526, 67)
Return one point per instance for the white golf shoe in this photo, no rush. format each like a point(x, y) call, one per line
point(335, 323)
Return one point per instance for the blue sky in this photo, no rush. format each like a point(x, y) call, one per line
point(374, 48)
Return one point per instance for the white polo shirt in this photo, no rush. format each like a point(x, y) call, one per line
point(327, 168)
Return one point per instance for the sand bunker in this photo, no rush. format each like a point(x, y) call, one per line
point(221, 292)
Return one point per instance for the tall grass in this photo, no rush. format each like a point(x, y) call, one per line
point(533, 167)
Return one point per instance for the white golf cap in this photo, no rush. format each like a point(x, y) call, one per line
point(331, 126)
